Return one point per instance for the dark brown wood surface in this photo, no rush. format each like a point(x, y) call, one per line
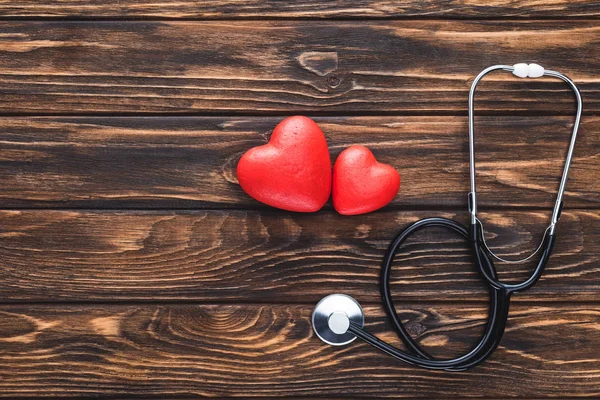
point(231, 350)
point(270, 256)
point(132, 265)
point(235, 9)
point(343, 67)
point(190, 162)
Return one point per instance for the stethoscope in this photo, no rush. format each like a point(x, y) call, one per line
point(338, 319)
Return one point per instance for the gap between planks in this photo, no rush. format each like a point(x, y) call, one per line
point(211, 303)
point(278, 114)
point(327, 208)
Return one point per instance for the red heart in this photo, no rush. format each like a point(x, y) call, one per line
point(360, 183)
point(292, 171)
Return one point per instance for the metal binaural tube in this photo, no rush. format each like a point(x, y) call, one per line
point(565, 174)
point(532, 71)
point(473, 193)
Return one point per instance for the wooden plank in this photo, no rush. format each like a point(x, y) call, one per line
point(249, 256)
point(307, 9)
point(422, 67)
point(190, 162)
point(270, 350)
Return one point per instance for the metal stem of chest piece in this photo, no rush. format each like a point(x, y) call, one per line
point(473, 195)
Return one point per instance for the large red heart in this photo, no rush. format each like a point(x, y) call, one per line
point(360, 183)
point(292, 171)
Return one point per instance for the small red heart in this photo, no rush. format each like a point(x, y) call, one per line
point(360, 183)
point(292, 171)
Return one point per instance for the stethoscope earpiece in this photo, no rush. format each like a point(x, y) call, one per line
point(332, 316)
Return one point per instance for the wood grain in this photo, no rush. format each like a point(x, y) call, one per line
point(275, 257)
point(408, 67)
point(270, 350)
point(224, 9)
point(105, 162)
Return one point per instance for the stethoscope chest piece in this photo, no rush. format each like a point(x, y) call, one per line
point(331, 319)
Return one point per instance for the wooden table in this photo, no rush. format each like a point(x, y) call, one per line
point(133, 265)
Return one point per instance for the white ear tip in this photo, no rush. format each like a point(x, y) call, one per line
point(521, 70)
point(535, 70)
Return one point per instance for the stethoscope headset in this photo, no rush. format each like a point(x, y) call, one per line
point(338, 319)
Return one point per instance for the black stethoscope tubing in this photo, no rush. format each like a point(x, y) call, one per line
point(497, 313)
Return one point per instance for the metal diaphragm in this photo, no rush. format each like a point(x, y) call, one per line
point(332, 316)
